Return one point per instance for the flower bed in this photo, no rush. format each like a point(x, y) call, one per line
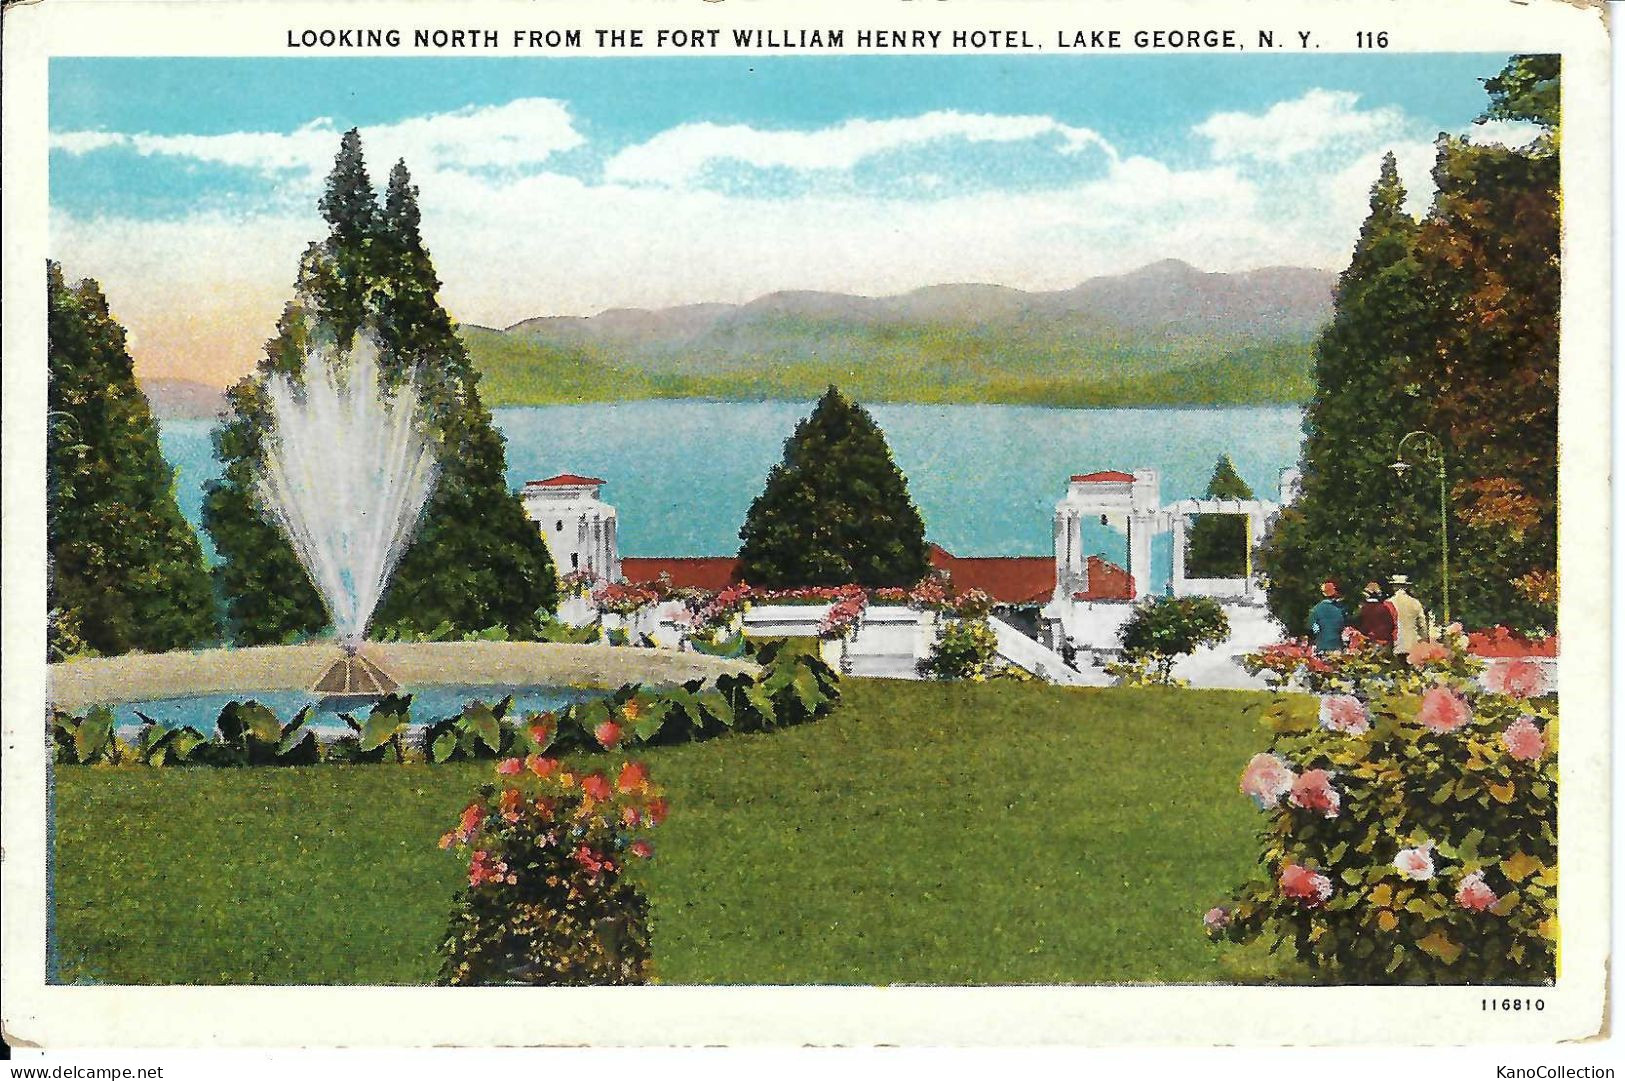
point(1501, 642)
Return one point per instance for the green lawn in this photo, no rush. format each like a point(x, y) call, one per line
point(923, 833)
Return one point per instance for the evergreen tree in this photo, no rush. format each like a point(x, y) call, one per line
point(476, 560)
point(836, 510)
point(1216, 546)
point(1353, 520)
point(126, 570)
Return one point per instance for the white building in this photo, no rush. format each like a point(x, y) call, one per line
point(579, 528)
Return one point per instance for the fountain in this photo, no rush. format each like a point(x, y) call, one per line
point(346, 474)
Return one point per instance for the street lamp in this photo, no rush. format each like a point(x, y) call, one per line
point(1432, 452)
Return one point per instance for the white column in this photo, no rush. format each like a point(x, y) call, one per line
point(1179, 555)
point(1139, 531)
point(1060, 553)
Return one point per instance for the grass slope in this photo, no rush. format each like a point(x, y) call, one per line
point(888, 364)
point(924, 833)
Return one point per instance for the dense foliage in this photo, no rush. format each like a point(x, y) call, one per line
point(1447, 326)
point(126, 571)
point(477, 560)
point(546, 901)
point(792, 685)
point(1411, 829)
point(1161, 630)
point(1216, 545)
point(836, 510)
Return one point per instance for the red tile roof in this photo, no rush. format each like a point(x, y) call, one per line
point(1019, 580)
point(1007, 579)
point(1105, 476)
point(1107, 582)
point(685, 572)
point(564, 480)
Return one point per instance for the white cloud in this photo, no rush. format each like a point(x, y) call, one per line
point(680, 155)
point(519, 134)
point(1318, 121)
point(1509, 133)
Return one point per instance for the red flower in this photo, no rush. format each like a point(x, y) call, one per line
point(642, 849)
point(540, 766)
point(596, 786)
point(656, 811)
point(540, 733)
point(634, 777)
point(608, 734)
point(509, 766)
point(508, 804)
point(1302, 884)
point(629, 816)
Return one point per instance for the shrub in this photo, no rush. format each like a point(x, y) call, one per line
point(1161, 630)
point(1411, 829)
point(964, 649)
point(546, 900)
point(79, 741)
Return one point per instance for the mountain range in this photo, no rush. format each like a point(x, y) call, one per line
point(1166, 333)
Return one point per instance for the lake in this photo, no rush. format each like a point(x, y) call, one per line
point(985, 477)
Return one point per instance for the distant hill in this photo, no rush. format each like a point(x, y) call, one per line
point(176, 399)
point(1162, 334)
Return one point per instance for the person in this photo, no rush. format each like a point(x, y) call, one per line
point(1327, 620)
point(1410, 622)
point(1376, 618)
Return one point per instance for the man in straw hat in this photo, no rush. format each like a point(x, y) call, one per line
point(1410, 622)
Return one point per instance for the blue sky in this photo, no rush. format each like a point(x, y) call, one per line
point(572, 185)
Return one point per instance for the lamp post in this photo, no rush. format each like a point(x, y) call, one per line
point(1432, 452)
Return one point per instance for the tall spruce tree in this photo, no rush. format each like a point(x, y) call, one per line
point(476, 560)
point(126, 570)
point(1216, 546)
point(1353, 521)
point(836, 510)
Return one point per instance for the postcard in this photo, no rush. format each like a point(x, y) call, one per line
point(921, 523)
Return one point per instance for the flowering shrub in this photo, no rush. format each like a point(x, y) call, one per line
point(1410, 824)
point(546, 900)
point(1364, 665)
point(578, 583)
point(930, 594)
point(1501, 642)
point(1161, 630)
point(964, 649)
point(844, 614)
point(624, 598)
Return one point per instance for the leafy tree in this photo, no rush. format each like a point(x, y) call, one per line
point(476, 561)
point(836, 510)
point(126, 571)
point(1216, 546)
point(1528, 88)
point(1490, 252)
point(1352, 520)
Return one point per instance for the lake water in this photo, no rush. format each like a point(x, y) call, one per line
point(985, 477)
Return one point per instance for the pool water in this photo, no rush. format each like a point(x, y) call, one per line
point(429, 704)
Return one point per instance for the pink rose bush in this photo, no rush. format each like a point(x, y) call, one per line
point(1266, 779)
point(1522, 739)
point(1519, 678)
point(1344, 713)
point(1313, 791)
point(1415, 864)
point(1444, 710)
point(1474, 895)
point(1408, 825)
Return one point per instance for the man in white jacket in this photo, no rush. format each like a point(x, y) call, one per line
point(1410, 621)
